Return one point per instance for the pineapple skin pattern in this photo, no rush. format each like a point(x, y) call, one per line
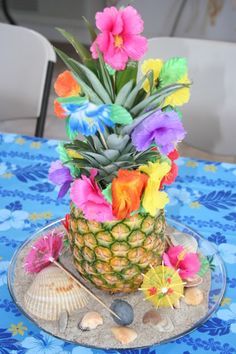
point(114, 255)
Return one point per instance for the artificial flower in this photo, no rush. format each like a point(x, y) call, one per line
point(87, 196)
point(187, 263)
point(66, 85)
point(61, 176)
point(59, 111)
point(153, 199)
point(120, 37)
point(151, 64)
point(173, 173)
point(127, 189)
point(87, 118)
point(181, 96)
point(163, 128)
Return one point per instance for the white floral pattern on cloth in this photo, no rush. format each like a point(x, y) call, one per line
point(203, 197)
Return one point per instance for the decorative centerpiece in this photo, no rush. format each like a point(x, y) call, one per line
point(124, 124)
point(124, 132)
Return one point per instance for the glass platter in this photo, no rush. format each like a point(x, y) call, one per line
point(218, 277)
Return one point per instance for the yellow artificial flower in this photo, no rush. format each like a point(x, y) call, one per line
point(181, 96)
point(154, 199)
point(151, 64)
point(156, 170)
point(74, 154)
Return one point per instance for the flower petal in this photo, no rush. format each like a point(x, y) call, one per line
point(133, 23)
point(109, 20)
point(135, 46)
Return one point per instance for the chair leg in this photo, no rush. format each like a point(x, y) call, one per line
point(42, 117)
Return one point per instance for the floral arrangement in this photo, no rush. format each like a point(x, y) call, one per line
point(123, 131)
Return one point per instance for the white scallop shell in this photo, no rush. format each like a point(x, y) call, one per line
point(180, 239)
point(52, 292)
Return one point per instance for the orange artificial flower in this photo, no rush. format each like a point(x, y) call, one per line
point(66, 85)
point(127, 189)
point(58, 110)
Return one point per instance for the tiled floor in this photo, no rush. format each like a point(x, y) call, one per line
point(55, 127)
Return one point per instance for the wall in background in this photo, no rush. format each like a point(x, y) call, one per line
point(209, 19)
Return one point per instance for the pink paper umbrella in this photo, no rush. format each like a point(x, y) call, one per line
point(45, 251)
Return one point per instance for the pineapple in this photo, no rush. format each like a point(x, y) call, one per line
point(114, 255)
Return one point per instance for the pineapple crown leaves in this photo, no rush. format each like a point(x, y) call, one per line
point(119, 153)
point(100, 87)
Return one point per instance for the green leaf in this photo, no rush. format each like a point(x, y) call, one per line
point(91, 29)
point(107, 193)
point(123, 93)
point(96, 84)
point(120, 115)
point(80, 48)
point(72, 99)
point(205, 266)
point(110, 70)
point(172, 71)
point(132, 96)
point(124, 76)
point(71, 135)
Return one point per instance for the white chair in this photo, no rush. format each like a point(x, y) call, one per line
point(210, 116)
point(26, 66)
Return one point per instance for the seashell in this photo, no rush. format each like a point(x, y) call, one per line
point(193, 296)
point(124, 310)
point(165, 325)
point(152, 317)
point(63, 321)
point(124, 335)
point(187, 241)
point(91, 320)
point(51, 292)
point(194, 281)
point(177, 304)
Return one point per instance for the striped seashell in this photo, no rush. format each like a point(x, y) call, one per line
point(180, 239)
point(52, 292)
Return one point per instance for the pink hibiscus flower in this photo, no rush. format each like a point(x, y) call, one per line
point(120, 37)
point(87, 196)
point(188, 263)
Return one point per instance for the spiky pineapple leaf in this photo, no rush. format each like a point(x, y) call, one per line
point(123, 76)
point(123, 93)
point(172, 71)
point(119, 115)
point(95, 84)
point(80, 48)
point(156, 99)
point(133, 94)
point(105, 76)
point(205, 266)
point(90, 28)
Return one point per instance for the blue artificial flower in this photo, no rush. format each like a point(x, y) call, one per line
point(12, 219)
point(87, 118)
point(229, 315)
point(42, 344)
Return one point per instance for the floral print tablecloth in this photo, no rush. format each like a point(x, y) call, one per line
point(203, 197)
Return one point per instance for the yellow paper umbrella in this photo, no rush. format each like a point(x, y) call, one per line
point(162, 286)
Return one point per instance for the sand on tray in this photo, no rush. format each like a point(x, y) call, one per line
point(102, 337)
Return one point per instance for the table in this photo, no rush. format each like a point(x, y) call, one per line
point(203, 197)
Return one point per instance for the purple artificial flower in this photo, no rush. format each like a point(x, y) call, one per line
point(163, 128)
point(60, 175)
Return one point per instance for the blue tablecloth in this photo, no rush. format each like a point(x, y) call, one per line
point(203, 197)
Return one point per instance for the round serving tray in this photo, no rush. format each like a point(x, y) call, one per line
point(206, 248)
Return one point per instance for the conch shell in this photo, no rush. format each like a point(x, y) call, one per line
point(51, 293)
